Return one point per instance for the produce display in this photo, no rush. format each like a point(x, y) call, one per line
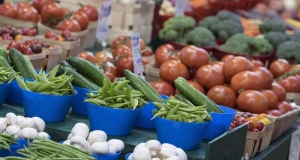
point(256, 123)
point(29, 47)
point(65, 36)
point(11, 33)
point(6, 140)
point(6, 75)
point(20, 11)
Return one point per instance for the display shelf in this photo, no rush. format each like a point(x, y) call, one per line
point(230, 145)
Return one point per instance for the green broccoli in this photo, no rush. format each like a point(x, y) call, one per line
point(276, 38)
point(289, 50)
point(201, 37)
point(209, 21)
point(238, 43)
point(272, 25)
point(227, 15)
point(296, 37)
point(261, 46)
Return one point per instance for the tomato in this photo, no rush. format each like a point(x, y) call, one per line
point(222, 95)
point(254, 120)
point(90, 11)
point(7, 9)
point(279, 91)
point(279, 67)
point(14, 44)
point(118, 41)
point(246, 80)
point(272, 99)
point(195, 85)
point(252, 101)
point(208, 76)
point(70, 25)
point(66, 11)
point(102, 56)
point(108, 67)
point(110, 76)
point(266, 75)
point(284, 107)
point(295, 67)
point(290, 84)
point(82, 19)
point(143, 45)
point(226, 58)
point(52, 13)
point(87, 56)
point(257, 63)
point(22, 4)
point(274, 112)
point(218, 65)
point(171, 70)
point(28, 14)
point(193, 57)
point(147, 52)
point(38, 4)
point(122, 50)
point(235, 65)
point(145, 61)
point(124, 63)
point(164, 53)
point(163, 87)
point(25, 49)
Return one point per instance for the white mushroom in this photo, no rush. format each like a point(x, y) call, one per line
point(27, 123)
point(43, 135)
point(3, 124)
point(28, 133)
point(166, 152)
point(99, 148)
point(20, 119)
point(139, 145)
point(154, 146)
point(79, 142)
point(11, 119)
point(130, 157)
point(117, 144)
point(155, 159)
point(67, 142)
point(69, 136)
point(97, 136)
point(80, 129)
point(141, 153)
point(39, 124)
point(173, 158)
point(168, 145)
point(181, 154)
point(112, 150)
point(13, 130)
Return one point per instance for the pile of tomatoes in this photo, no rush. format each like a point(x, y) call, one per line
point(256, 123)
point(64, 36)
point(235, 82)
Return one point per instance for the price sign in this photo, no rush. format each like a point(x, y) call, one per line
point(180, 6)
point(103, 20)
point(295, 145)
point(136, 51)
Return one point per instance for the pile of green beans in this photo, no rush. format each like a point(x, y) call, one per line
point(48, 149)
point(177, 110)
point(117, 95)
point(6, 140)
point(49, 83)
point(7, 75)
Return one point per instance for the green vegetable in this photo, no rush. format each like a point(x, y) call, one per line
point(227, 15)
point(3, 53)
point(295, 37)
point(272, 25)
point(261, 46)
point(7, 75)
point(276, 38)
point(201, 37)
point(4, 63)
point(6, 140)
point(289, 50)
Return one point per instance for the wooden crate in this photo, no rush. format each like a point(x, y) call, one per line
point(74, 5)
point(147, 12)
point(6, 21)
point(253, 140)
point(152, 72)
point(145, 33)
point(267, 135)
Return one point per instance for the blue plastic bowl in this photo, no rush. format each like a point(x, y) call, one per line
point(51, 108)
point(144, 119)
point(107, 156)
point(14, 94)
point(21, 143)
point(127, 155)
point(4, 89)
point(78, 105)
point(181, 134)
point(220, 123)
point(113, 121)
point(3, 152)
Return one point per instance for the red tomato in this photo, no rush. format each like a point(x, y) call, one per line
point(90, 11)
point(70, 25)
point(87, 56)
point(22, 4)
point(194, 57)
point(25, 49)
point(235, 65)
point(14, 44)
point(290, 84)
point(163, 87)
point(257, 63)
point(52, 13)
point(103, 56)
point(266, 75)
point(164, 53)
point(246, 80)
point(143, 45)
point(284, 107)
point(226, 58)
point(218, 65)
point(38, 4)
point(118, 41)
point(82, 19)
point(279, 67)
point(147, 52)
point(252, 101)
point(110, 76)
point(171, 70)
point(107, 66)
point(7, 9)
point(208, 76)
point(28, 14)
point(222, 95)
point(124, 63)
point(272, 99)
point(274, 112)
point(195, 85)
point(122, 50)
point(279, 91)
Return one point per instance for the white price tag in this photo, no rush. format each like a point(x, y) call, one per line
point(103, 20)
point(180, 6)
point(136, 51)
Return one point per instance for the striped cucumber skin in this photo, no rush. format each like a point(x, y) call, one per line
point(4, 62)
point(3, 54)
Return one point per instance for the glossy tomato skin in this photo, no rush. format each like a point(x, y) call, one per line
point(38, 4)
point(163, 87)
point(208, 76)
point(107, 66)
point(279, 67)
point(171, 70)
point(22, 4)
point(290, 84)
point(122, 50)
point(246, 80)
point(7, 9)
point(143, 45)
point(226, 58)
point(87, 56)
point(118, 41)
point(164, 53)
point(193, 57)
point(14, 44)
point(279, 91)
point(218, 65)
point(284, 107)
point(82, 19)
point(272, 99)
point(51, 10)
point(235, 65)
point(102, 56)
point(257, 63)
point(90, 11)
point(222, 95)
point(125, 63)
point(70, 24)
point(266, 75)
point(195, 85)
point(252, 101)
point(28, 14)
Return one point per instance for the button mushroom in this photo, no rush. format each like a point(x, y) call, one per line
point(117, 144)
point(139, 145)
point(97, 136)
point(3, 124)
point(20, 119)
point(166, 152)
point(141, 153)
point(69, 136)
point(173, 158)
point(67, 142)
point(99, 148)
point(181, 154)
point(28, 133)
point(43, 135)
point(154, 147)
point(13, 130)
point(79, 142)
point(27, 123)
point(11, 119)
point(168, 145)
point(39, 124)
point(80, 129)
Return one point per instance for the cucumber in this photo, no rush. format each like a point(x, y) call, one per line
point(87, 69)
point(143, 86)
point(4, 62)
point(3, 53)
point(21, 64)
point(195, 96)
point(65, 64)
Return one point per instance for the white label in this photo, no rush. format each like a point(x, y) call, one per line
point(103, 20)
point(180, 6)
point(136, 52)
point(295, 146)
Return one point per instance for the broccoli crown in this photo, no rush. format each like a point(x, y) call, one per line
point(296, 37)
point(276, 38)
point(289, 50)
point(227, 15)
point(201, 37)
point(261, 46)
point(209, 21)
point(272, 25)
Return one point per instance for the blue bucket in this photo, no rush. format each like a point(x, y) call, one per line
point(78, 105)
point(107, 156)
point(14, 94)
point(3, 152)
point(220, 123)
point(181, 134)
point(21, 143)
point(127, 156)
point(51, 108)
point(4, 89)
point(113, 121)
point(144, 119)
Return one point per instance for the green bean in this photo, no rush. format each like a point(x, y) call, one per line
point(22, 84)
point(117, 105)
point(54, 71)
point(121, 84)
point(176, 102)
point(173, 111)
point(135, 103)
point(96, 101)
point(173, 117)
point(114, 97)
point(160, 114)
point(45, 86)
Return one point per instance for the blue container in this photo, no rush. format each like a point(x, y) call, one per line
point(14, 94)
point(21, 143)
point(181, 134)
point(4, 89)
point(113, 121)
point(3, 152)
point(78, 105)
point(127, 156)
point(220, 123)
point(107, 156)
point(51, 108)
point(144, 119)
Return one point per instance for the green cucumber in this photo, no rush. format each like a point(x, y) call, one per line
point(4, 62)
point(3, 53)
